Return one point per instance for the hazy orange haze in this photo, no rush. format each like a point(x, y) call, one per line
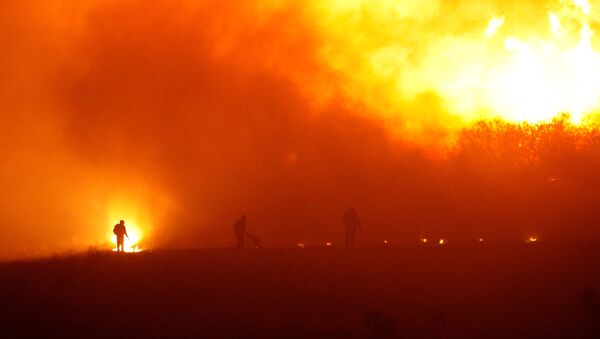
point(179, 116)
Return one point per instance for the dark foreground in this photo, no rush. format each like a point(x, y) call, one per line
point(483, 290)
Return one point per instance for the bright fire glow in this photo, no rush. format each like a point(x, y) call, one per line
point(132, 243)
point(493, 26)
point(508, 66)
point(441, 241)
point(424, 240)
point(328, 244)
point(480, 239)
point(139, 221)
point(540, 78)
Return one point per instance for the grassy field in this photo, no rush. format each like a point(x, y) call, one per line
point(478, 290)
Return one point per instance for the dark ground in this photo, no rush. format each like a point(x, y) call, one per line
point(456, 290)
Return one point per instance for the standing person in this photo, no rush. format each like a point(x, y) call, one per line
point(350, 219)
point(121, 233)
point(240, 231)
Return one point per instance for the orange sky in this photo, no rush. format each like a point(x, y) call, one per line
point(183, 115)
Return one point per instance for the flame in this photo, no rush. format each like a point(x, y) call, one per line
point(493, 26)
point(539, 79)
point(441, 241)
point(134, 215)
point(392, 53)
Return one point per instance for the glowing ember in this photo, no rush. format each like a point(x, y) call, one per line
point(480, 239)
point(531, 240)
point(385, 241)
point(424, 240)
point(328, 244)
point(300, 245)
point(441, 241)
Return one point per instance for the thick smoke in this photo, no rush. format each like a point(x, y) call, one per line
point(185, 116)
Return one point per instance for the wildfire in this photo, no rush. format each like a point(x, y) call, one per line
point(540, 78)
point(507, 65)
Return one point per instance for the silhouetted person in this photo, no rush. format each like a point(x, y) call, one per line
point(121, 233)
point(352, 223)
point(240, 231)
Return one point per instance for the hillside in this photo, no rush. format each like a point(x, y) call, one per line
point(491, 290)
